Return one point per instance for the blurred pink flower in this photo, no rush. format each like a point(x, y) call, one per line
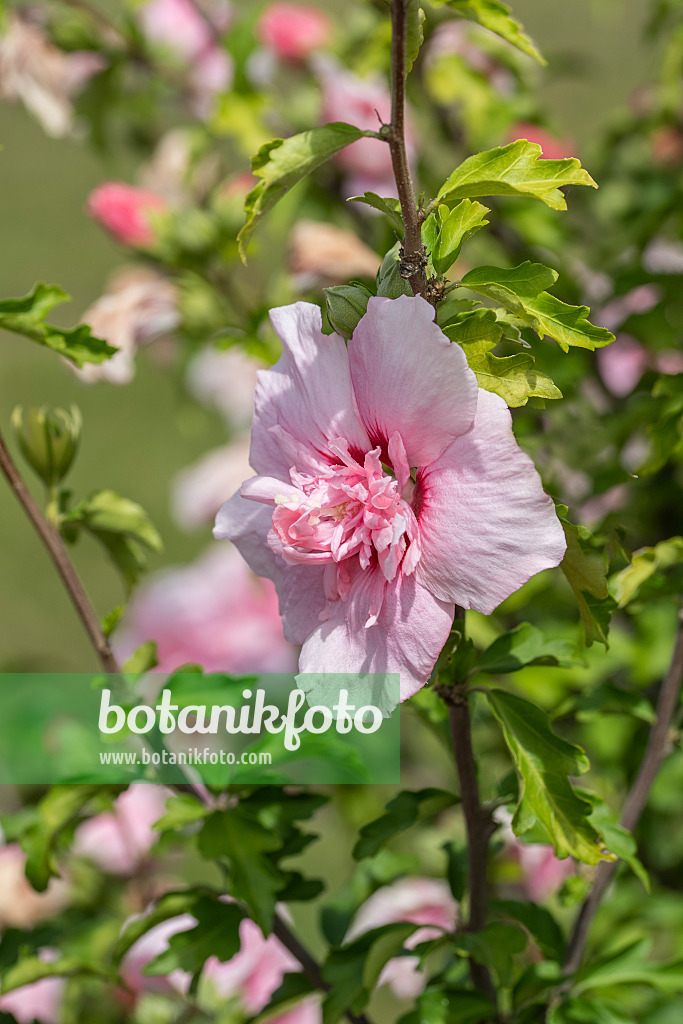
point(622, 364)
point(20, 905)
point(41, 75)
point(368, 562)
point(542, 872)
point(118, 841)
point(639, 300)
point(40, 1002)
point(553, 147)
point(227, 381)
point(292, 30)
point(199, 490)
point(140, 306)
point(424, 901)
point(214, 612)
point(188, 29)
point(127, 211)
point(365, 103)
point(255, 972)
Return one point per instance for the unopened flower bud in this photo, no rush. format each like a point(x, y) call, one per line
point(346, 304)
point(48, 439)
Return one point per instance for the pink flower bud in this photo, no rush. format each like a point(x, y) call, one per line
point(126, 212)
point(293, 31)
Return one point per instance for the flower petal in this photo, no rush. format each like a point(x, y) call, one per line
point(299, 587)
point(411, 628)
point(307, 393)
point(486, 525)
point(408, 377)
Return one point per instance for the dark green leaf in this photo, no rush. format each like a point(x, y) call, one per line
point(495, 946)
point(630, 966)
point(403, 811)
point(544, 760)
point(514, 170)
point(438, 1005)
point(525, 645)
point(26, 316)
point(215, 934)
point(282, 163)
point(540, 924)
point(415, 16)
point(237, 836)
point(353, 970)
point(456, 870)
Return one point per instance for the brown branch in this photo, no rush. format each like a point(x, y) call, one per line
point(478, 823)
point(669, 697)
point(413, 260)
point(55, 547)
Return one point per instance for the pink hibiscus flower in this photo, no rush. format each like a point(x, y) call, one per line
point(389, 489)
point(293, 31)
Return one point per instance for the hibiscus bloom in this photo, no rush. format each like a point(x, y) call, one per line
point(389, 489)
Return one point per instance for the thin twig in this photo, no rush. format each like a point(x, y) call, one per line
point(667, 705)
point(413, 250)
point(55, 547)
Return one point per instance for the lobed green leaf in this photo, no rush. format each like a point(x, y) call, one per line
point(26, 316)
point(282, 163)
point(517, 169)
point(544, 761)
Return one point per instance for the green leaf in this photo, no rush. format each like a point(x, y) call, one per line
point(495, 946)
point(26, 316)
point(245, 843)
point(346, 305)
point(142, 660)
point(630, 966)
point(353, 970)
point(525, 645)
point(496, 17)
point(588, 1011)
point(282, 163)
point(181, 811)
point(585, 565)
point(514, 377)
point(390, 207)
point(215, 934)
point(401, 813)
point(618, 839)
point(540, 924)
point(57, 810)
point(544, 760)
point(456, 869)
point(647, 573)
point(438, 1005)
point(122, 527)
point(514, 170)
point(415, 17)
point(520, 290)
point(32, 969)
point(445, 231)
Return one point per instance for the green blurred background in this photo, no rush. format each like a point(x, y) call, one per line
point(137, 436)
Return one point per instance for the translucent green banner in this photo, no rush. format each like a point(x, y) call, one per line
point(192, 727)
